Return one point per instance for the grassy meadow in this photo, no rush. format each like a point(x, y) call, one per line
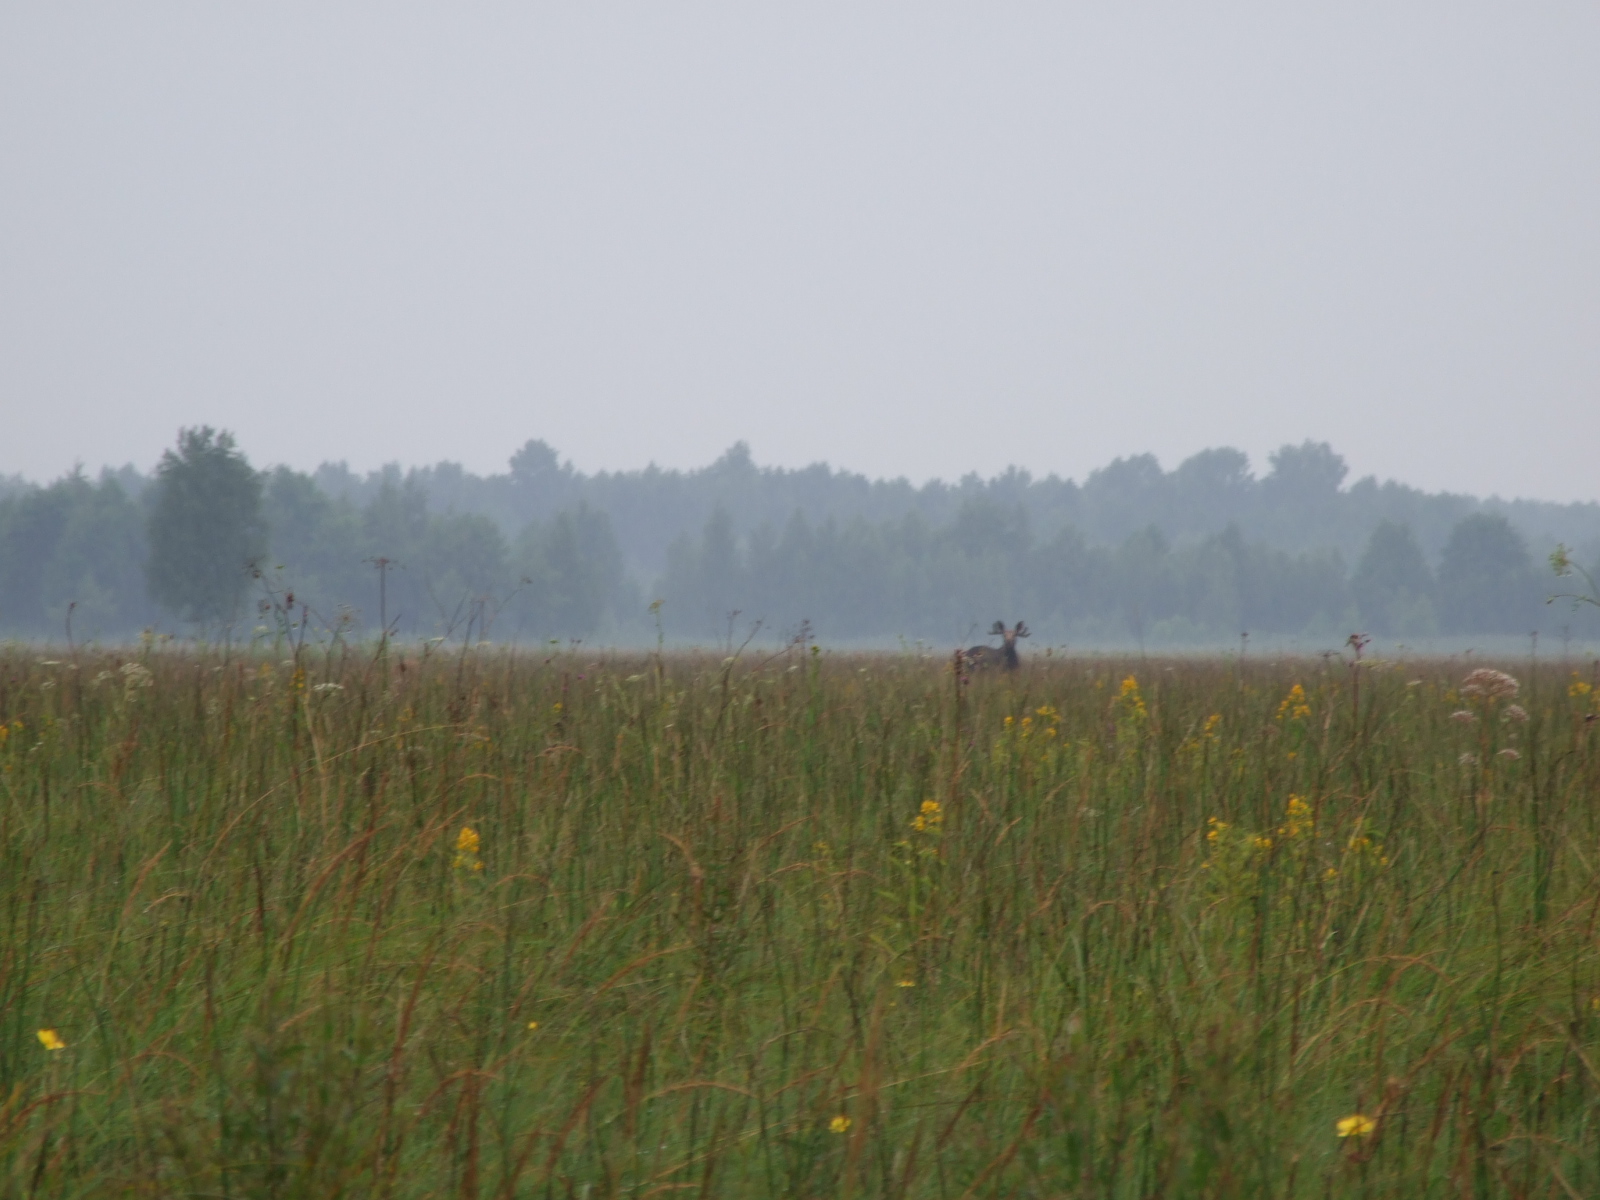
point(484, 923)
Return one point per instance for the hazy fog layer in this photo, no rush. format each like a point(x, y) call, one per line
point(919, 239)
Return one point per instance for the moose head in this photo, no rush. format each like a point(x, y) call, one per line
point(1004, 657)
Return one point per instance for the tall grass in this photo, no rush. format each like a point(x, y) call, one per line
point(818, 926)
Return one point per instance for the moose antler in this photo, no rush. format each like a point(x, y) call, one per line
point(1006, 656)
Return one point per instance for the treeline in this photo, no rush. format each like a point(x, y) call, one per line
point(208, 541)
point(394, 561)
point(1303, 500)
point(862, 578)
point(74, 547)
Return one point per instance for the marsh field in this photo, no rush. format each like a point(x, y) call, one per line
point(483, 923)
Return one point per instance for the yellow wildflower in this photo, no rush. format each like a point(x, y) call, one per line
point(467, 850)
point(1294, 705)
point(1299, 818)
point(1129, 695)
point(907, 983)
point(1130, 700)
point(1355, 1125)
point(840, 1124)
point(929, 818)
point(50, 1040)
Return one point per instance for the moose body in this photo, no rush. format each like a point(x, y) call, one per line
point(1005, 657)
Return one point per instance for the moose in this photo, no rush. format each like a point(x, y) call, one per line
point(1006, 656)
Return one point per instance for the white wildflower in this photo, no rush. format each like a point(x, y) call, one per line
point(1490, 684)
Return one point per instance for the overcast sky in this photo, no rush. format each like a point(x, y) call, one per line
point(906, 239)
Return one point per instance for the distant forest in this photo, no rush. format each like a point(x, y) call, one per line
point(1134, 553)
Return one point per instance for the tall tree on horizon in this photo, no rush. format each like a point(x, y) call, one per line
point(1486, 579)
point(206, 530)
point(1392, 585)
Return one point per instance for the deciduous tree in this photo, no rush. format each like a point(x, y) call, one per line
point(206, 531)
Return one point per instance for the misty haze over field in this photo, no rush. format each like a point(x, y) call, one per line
point(908, 240)
point(1135, 554)
point(1123, 321)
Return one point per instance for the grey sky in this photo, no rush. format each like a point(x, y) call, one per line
point(909, 239)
